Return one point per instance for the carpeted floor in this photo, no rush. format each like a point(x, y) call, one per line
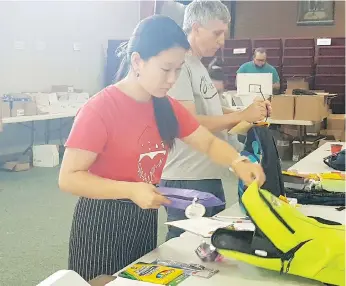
point(35, 219)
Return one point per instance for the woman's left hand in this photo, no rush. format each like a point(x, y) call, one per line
point(249, 172)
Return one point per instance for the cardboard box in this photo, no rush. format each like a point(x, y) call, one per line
point(18, 108)
point(22, 105)
point(336, 122)
point(297, 83)
point(63, 96)
point(62, 88)
point(311, 107)
point(336, 125)
point(283, 107)
point(16, 166)
point(42, 102)
point(289, 92)
point(30, 108)
point(338, 135)
point(82, 97)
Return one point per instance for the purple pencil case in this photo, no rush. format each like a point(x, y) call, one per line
point(182, 198)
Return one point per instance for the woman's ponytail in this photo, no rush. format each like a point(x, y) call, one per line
point(166, 120)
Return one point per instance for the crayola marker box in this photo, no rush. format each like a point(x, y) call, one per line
point(152, 273)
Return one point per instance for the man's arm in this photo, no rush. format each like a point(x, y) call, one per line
point(276, 86)
point(276, 80)
point(255, 112)
point(217, 122)
point(183, 92)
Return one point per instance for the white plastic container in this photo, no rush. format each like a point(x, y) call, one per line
point(46, 156)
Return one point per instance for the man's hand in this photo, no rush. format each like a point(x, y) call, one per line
point(267, 102)
point(257, 111)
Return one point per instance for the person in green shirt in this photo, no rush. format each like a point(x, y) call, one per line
point(260, 65)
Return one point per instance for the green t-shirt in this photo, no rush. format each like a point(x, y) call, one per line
point(250, 67)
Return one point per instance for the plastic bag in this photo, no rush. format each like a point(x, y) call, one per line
point(182, 198)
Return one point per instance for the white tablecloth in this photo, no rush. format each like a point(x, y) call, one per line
point(231, 272)
point(313, 163)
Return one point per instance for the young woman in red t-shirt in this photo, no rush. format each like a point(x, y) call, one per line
point(118, 146)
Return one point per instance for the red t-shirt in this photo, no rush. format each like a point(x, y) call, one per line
point(123, 132)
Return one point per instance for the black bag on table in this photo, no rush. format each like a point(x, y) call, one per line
point(336, 161)
point(317, 197)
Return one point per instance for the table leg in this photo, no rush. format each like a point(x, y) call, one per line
point(301, 142)
point(32, 134)
point(304, 140)
point(32, 141)
point(60, 131)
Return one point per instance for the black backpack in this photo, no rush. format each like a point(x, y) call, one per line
point(260, 148)
point(336, 161)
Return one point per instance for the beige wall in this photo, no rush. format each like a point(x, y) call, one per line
point(58, 24)
point(271, 19)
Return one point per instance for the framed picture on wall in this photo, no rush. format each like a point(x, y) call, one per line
point(317, 12)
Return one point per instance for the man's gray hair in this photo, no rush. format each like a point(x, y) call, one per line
point(203, 11)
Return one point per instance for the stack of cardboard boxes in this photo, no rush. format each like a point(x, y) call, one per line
point(305, 107)
point(335, 127)
point(301, 107)
point(61, 99)
point(18, 104)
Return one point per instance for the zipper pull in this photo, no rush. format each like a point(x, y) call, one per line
point(282, 266)
point(289, 264)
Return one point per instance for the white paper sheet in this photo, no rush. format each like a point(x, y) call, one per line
point(128, 282)
point(252, 83)
point(200, 226)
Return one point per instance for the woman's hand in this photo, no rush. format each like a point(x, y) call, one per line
point(222, 153)
point(146, 196)
point(249, 172)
